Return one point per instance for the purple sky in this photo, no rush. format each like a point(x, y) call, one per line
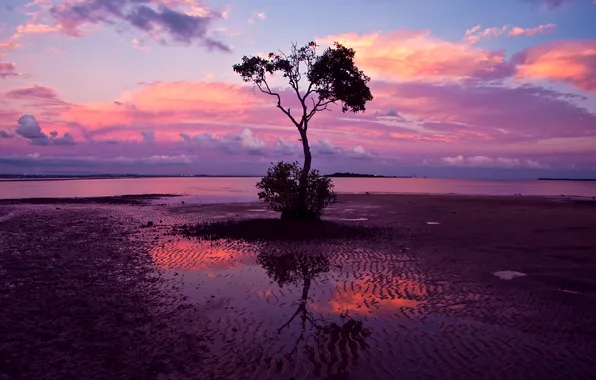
point(463, 88)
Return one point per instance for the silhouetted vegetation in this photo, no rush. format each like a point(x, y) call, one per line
point(280, 189)
point(332, 78)
point(277, 230)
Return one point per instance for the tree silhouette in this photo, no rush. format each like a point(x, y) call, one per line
point(332, 78)
point(333, 340)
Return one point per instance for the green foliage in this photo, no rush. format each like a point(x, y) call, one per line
point(280, 189)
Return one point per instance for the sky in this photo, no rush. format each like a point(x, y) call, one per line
point(462, 88)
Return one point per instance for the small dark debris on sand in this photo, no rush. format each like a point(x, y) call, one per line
point(254, 230)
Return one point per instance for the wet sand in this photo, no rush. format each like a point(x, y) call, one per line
point(403, 287)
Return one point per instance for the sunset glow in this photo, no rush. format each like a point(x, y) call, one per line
point(457, 88)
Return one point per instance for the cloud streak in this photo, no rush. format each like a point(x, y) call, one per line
point(484, 161)
point(549, 4)
point(476, 33)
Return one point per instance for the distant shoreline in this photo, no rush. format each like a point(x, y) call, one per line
point(4, 178)
point(357, 175)
point(37, 178)
point(566, 179)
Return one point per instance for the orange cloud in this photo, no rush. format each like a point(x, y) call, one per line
point(418, 55)
point(567, 61)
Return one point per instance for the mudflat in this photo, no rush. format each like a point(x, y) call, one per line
point(388, 286)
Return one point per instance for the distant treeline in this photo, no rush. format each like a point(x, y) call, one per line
point(357, 175)
point(567, 179)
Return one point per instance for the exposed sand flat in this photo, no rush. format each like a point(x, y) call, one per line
point(415, 300)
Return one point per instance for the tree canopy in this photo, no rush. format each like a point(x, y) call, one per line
point(332, 78)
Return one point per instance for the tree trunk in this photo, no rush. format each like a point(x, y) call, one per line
point(302, 206)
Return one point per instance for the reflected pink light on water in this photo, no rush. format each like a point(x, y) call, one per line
point(195, 255)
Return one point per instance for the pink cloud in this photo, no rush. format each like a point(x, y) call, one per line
point(172, 102)
point(540, 29)
point(8, 45)
point(476, 33)
point(567, 61)
point(7, 70)
point(140, 45)
point(418, 55)
point(484, 161)
point(412, 120)
point(257, 16)
point(489, 112)
point(36, 28)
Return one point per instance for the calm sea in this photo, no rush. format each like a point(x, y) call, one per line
point(243, 189)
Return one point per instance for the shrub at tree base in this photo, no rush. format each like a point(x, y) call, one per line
point(280, 189)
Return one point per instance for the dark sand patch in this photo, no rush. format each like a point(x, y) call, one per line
point(79, 301)
point(138, 199)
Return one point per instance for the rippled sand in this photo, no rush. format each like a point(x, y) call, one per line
point(419, 301)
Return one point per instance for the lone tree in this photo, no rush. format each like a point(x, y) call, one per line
point(332, 77)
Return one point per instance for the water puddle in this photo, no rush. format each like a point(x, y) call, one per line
point(354, 219)
point(180, 254)
point(508, 274)
point(432, 223)
point(277, 305)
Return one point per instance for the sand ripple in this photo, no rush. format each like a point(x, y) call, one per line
point(365, 309)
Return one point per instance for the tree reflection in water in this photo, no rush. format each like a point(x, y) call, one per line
point(336, 343)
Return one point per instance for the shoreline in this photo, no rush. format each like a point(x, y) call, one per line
point(146, 199)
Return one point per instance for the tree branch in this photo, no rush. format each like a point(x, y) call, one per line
point(319, 106)
point(268, 91)
point(308, 91)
